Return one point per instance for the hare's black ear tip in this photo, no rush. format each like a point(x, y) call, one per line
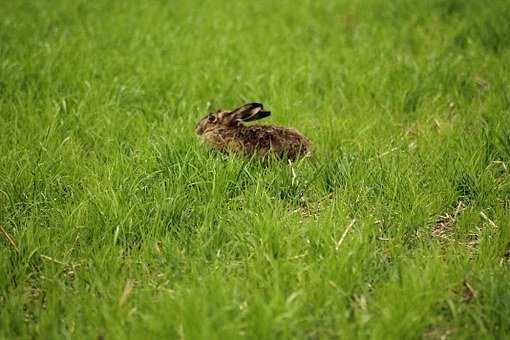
point(261, 114)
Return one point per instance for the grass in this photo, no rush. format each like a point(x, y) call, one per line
point(116, 223)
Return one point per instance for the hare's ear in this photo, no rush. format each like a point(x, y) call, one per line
point(257, 115)
point(249, 112)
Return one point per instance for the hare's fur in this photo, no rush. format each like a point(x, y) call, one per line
point(224, 131)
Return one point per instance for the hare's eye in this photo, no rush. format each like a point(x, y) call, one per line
point(211, 119)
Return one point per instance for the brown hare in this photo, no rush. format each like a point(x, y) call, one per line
point(224, 131)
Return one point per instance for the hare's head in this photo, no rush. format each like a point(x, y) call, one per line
point(245, 113)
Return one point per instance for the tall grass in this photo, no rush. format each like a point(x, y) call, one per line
point(116, 223)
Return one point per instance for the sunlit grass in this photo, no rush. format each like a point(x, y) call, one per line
point(116, 222)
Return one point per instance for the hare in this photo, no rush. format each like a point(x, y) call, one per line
point(224, 131)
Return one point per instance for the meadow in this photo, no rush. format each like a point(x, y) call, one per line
point(116, 223)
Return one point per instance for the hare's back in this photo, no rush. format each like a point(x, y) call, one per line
point(283, 141)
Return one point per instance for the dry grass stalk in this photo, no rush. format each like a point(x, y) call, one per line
point(491, 222)
point(9, 238)
point(470, 292)
point(128, 288)
point(341, 240)
point(48, 258)
point(446, 222)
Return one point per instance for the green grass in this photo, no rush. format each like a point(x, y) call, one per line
point(105, 189)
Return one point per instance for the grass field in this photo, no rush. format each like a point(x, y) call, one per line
point(117, 223)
